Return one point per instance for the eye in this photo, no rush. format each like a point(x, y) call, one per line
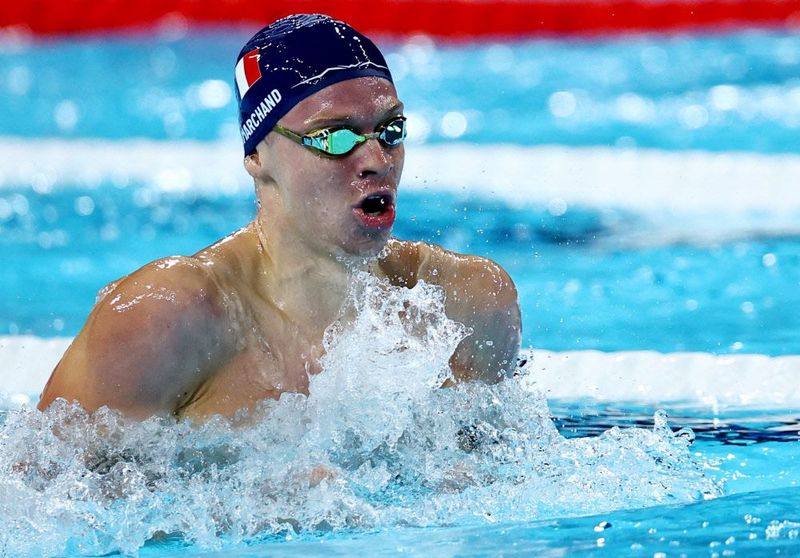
point(324, 132)
point(393, 132)
point(335, 140)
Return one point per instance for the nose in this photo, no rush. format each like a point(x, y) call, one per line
point(375, 159)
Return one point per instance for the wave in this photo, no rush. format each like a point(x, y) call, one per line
point(641, 180)
point(647, 377)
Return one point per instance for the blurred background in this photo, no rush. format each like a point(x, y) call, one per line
point(635, 165)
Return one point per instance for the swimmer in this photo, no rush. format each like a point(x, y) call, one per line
point(243, 319)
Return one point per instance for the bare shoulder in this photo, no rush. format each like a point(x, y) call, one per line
point(176, 292)
point(400, 262)
point(165, 283)
point(474, 274)
point(150, 340)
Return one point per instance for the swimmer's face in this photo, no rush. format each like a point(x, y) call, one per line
point(342, 205)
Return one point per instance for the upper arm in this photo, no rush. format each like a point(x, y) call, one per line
point(478, 293)
point(481, 295)
point(150, 341)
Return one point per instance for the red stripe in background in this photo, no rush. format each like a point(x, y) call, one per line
point(457, 19)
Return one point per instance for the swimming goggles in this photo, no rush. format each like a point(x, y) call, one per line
point(338, 141)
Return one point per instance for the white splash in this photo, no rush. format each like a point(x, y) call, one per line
point(376, 444)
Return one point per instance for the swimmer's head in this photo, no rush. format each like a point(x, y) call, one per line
point(292, 59)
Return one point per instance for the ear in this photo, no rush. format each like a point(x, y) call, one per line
point(252, 164)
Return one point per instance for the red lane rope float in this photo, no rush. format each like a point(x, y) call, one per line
point(456, 19)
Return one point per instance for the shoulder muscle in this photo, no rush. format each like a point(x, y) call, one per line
point(151, 338)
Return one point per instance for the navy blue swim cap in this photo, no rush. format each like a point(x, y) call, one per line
point(293, 58)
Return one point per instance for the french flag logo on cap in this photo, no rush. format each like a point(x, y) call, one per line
point(247, 71)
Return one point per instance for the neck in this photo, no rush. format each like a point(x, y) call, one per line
point(306, 282)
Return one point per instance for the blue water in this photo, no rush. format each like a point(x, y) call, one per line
point(583, 283)
point(734, 91)
point(586, 278)
point(711, 529)
point(580, 286)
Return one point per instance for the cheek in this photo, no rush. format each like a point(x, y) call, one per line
point(318, 195)
point(305, 182)
point(315, 186)
point(399, 160)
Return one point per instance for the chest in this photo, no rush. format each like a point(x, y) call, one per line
point(271, 357)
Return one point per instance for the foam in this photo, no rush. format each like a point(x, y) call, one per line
point(637, 180)
point(374, 445)
point(649, 377)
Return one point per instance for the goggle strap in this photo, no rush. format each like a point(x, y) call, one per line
point(297, 138)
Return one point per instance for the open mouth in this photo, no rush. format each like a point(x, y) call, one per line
point(376, 211)
point(376, 204)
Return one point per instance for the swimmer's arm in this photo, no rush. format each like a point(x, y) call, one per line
point(148, 344)
point(479, 294)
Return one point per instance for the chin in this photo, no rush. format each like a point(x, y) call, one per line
point(368, 246)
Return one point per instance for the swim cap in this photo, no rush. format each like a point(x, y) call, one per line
point(293, 58)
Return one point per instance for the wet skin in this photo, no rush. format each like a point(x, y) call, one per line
point(243, 319)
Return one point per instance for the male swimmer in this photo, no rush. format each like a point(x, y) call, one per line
point(243, 320)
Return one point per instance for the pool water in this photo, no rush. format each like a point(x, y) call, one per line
point(642, 193)
point(715, 265)
point(586, 278)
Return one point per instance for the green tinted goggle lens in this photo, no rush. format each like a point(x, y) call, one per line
point(341, 141)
